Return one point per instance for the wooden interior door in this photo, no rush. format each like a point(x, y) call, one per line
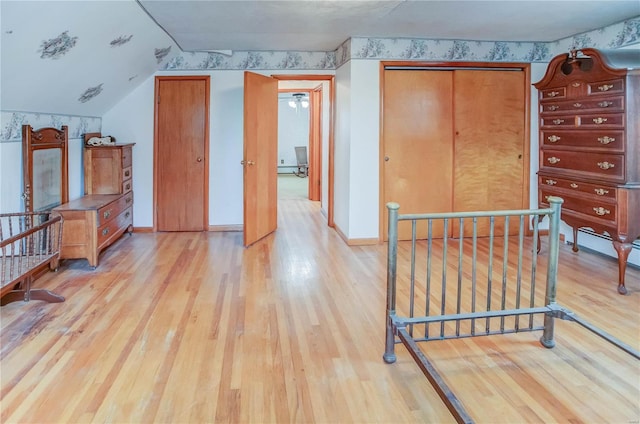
point(260, 159)
point(181, 153)
point(417, 144)
point(490, 123)
point(315, 144)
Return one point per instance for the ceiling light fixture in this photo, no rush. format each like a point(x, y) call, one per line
point(299, 100)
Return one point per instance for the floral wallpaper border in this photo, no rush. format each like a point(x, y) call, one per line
point(11, 124)
point(610, 37)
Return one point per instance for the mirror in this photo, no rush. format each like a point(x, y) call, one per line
point(45, 167)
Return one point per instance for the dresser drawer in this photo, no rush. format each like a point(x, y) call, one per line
point(575, 186)
point(127, 173)
point(606, 140)
point(107, 230)
point(553, 93)
point(602, 120)
point(605, 87)
point(558, 121)
point(597, 209)
point(126, 156)
point(111, 210)
point(127, 185)
point(604, 166)
point(610, 104)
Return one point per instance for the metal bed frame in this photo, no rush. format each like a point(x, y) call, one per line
point(473, 300)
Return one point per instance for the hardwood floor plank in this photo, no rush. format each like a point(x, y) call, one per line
point(194, 328)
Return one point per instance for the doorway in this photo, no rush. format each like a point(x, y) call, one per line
point(294, 140)
point(320, 89)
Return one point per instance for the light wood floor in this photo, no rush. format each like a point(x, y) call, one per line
point(194, 328)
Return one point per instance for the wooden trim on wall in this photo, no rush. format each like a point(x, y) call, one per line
point(356, 242)
point(225, 228)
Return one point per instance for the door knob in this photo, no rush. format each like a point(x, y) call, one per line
point(386, 158)
point(199, 159)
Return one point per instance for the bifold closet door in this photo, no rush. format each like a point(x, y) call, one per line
point(489, 142)
point(417, 144)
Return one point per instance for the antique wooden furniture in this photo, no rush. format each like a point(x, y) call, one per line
point(45, 167)
point(94, 221)
point(29, 241)
point(589, 108)
point(107, 169)
point(461, 287)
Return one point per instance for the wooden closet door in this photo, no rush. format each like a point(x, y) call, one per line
point(417, 144)
point(181, 153)
point(490, 123)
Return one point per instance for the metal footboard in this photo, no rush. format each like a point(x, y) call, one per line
point(459, 284)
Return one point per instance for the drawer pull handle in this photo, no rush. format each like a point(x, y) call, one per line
point(606, 165)
point(558, 121)
point(599, 121)
point(606, 140)
point(551, 182)
point(601, 191)
point(128, 186)
point(605, 104)
point(553, 160)
point(553, 108)
point(128, 200)
point(576, 84)
point(601, 211)
point(553, 93)
point(574, 185)
point(127, 173)
point(107, 214)
point(577, 105)
point(105, 231)
point(605, 87)
point(553, 138)
point(127, 215)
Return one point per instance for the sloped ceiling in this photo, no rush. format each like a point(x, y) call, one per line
point(82, 57)
point(76, 57)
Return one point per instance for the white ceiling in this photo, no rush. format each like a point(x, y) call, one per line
point(318, 25)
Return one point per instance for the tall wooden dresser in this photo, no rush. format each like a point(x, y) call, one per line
point(589, 115)
point(96, 220)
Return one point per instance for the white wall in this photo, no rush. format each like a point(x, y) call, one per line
point(364, 149)
point(342, 150)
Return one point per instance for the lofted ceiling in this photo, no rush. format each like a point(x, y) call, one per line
point(316, 25)
point(81, 57)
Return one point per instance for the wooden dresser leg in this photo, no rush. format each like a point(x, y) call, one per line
point(575, 239)
point(623, 250)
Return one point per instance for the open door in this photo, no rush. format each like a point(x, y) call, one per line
point(260, 158)
point(315, 145)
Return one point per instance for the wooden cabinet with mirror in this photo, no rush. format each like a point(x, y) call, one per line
point(45, 167)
